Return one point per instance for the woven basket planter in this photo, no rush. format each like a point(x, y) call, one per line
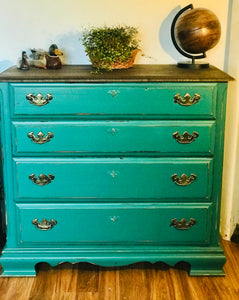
point(116, 65)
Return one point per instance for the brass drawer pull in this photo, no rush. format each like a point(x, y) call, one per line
point(44, 224)
point(183, 223)
point(186, 100)
point(38, 100)
point(186, 138)
point(40, 139)
point(42, 179)
point(113, 93)
point(183, 179)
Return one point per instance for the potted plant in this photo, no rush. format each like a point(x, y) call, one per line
point(111, 47)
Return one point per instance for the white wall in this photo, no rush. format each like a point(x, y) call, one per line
point(230, 195)
point(29, 24)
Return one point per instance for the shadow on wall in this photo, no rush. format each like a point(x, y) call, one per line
point(5, 64)
point(165, 35)
point(74, 52)
point(228, 35)
point(69, 43)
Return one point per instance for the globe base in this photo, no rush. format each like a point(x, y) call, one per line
point(192, 65)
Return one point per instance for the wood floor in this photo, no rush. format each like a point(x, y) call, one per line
point(141, 281)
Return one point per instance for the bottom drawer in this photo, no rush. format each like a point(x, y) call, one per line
point(115, 223)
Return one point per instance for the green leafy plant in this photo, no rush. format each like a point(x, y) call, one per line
point(109, 47)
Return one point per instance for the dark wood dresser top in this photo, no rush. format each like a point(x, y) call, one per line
point(139, 73)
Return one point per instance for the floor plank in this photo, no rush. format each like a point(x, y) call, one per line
point(141, 281)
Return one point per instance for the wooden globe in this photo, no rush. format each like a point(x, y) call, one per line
point(197, 30)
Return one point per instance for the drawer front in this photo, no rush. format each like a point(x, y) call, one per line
point(116, 223)
point(136, 137)
point(115, 100)
point(113, 178)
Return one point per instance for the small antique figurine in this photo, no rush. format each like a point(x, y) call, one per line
point(38, 58)
point(23, 62)
point(53, 60)
point(46, 60)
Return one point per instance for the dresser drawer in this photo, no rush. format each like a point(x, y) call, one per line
point(115, 100)
point(102, 137)
point(115, 223)
point(113, 178)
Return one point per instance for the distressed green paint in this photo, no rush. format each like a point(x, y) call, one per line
point(141, 138)
point(138, 178)
point(112, 156)
point(116, 223)
point(130, 100)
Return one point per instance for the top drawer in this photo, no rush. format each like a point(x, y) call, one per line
point(116, 100)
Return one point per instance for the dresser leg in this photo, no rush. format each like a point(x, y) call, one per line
point(17, 268)
point(211, 266)
point(204, 261)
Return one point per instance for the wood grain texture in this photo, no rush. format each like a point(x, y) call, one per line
point(198, 30)
point(141, 281)
point(139, 73)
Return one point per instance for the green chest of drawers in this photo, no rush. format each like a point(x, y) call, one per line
point(114, 168)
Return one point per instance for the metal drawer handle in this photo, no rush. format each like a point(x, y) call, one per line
point(186, 138)
point(183, 179)
point(38, 99)
point(42, 179)
point(183, 223)
point(40, 139)
point(44, 224)
point(187, 100)
point(113, 93)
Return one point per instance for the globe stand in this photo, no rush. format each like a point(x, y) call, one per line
point(193, 65)
point(190, 64)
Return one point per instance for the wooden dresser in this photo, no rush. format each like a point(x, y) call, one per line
point(113, 168)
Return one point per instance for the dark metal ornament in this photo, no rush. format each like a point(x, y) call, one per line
point(24, 64)
point(41, 138)
point(184, 179)
point(185, 138)
point(183, 224)
point(186, 100)
point(42, 179)
point(39, 99)
point(44, 224)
